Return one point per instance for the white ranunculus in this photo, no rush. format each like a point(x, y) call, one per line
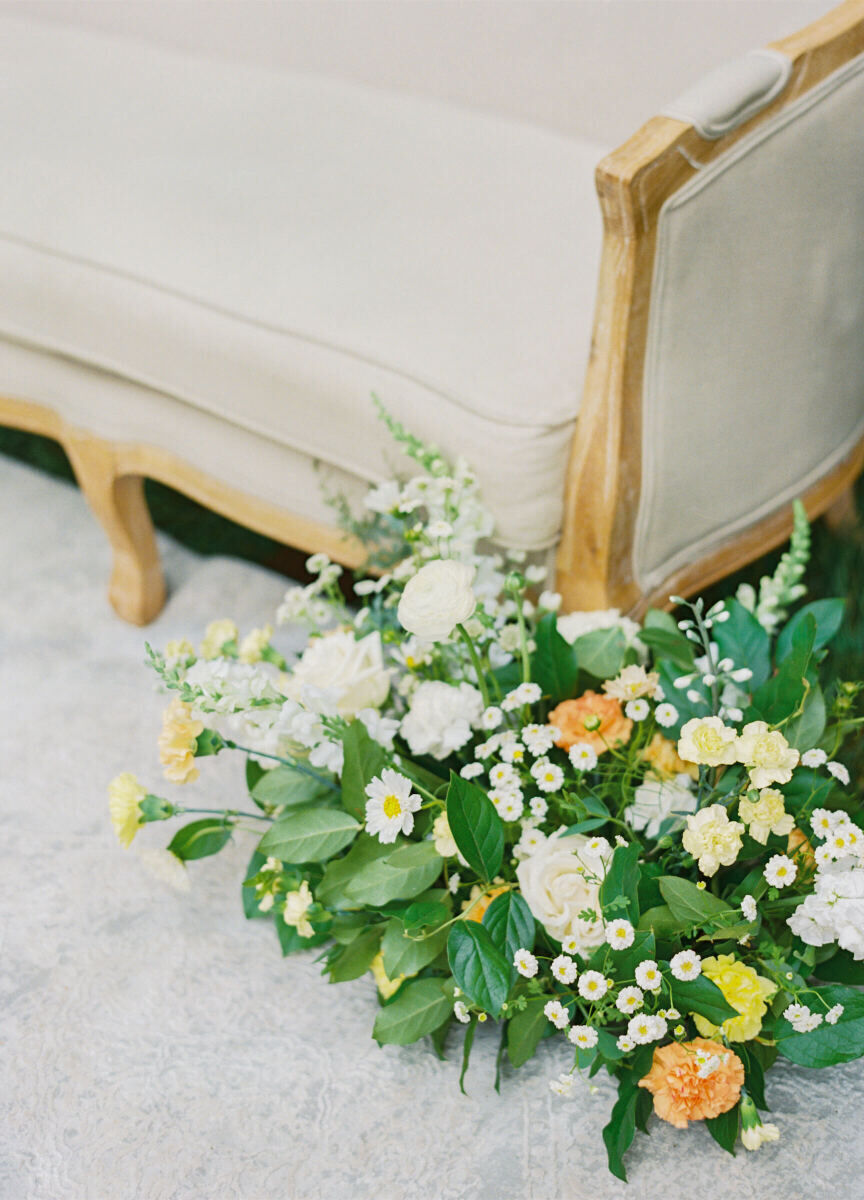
point(437, 599)
point(440, 718)
point(658, 800)
point(351, 671)
point(561, 879)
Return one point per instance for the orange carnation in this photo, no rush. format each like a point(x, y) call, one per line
point(665, 760)
point(596, 721)
point(681, 1094)
point(482, 902)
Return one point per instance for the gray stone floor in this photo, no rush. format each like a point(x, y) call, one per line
point(155, 1046)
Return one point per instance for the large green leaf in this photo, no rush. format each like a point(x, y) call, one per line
point(622, 881)
point(340, 871)
point(743, 639)
point(286, 787)
point(724, 1129)
point(250, 896)
point(828, 615)
point(402, 875)
point(662, 922)
point(405, 956)
point(805, 731)
point(311, 835)
point(618, 1134)
point(841, 968)
point(476, 827)
point(665, 640)
point(554, 665)
point(780, 695)
point(690, 903)
point(510, 924)
point(601, 652)
point(291, 941)
point(827, 1044)
point(525, 1030)
point(418, 1008)
point(363, 760)
point(623, 963)
point(478, 966)
point(353, 960)
point(200, 839)
point(701, 996)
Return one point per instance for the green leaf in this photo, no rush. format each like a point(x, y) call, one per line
point(594, 806)
point(828, 615)
point(554, 665)
point(684, 706)
point(476, 827)
point(805, 731)
point(743, 639)
point(285, 787)
point(254, 771)
point(841, 968)
point(200, 839)
point(402, 875)
point(622, 879)
point(827, 1044)
point(701, 996)
point(250, 898)
point(364, 759)
point(754, 1074)
point(425, 914)
point(420, 1007)
point(311, 835)
point(291, 941)
point(340, 871)
point(608, 1045)
point(780, 695)
point(402, 956)
point(666, 641)
point(601, 652)
point(662, 922)
point(510, 925)
point(807, 787)
point(478, 966)
point(466, 1051)
point(353, 960)
point(724, 1129)
point(525, 1030)
point(623, 963)
point(618, 1135)
point(585, 826)
point(690, 903)
point(347, 926)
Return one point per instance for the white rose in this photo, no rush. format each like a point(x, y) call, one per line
point(440, 718)
point(351, 671)
point(437, 599)
point(656, 801)
point(560, 880)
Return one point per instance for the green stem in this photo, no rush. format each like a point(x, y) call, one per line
point(475, 662)
point(225, 812)
point(288, 762)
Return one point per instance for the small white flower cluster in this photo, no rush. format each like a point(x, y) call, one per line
point(318, 602)
point(803, 1020)
point(643, 1029)
point(834, 910)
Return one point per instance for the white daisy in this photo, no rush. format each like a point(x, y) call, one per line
point(550, 778)
point(780, 870)
point(666, 714)
point(814, 758)
point(686, 964)
point(510, 807)
point(525, 963)
point(839, 772)
point(648, 975)
point(513, 752)
point(530, 840)
point(491, 717)
point(503, 774)
point(571, 945)
point(563, 968)
point(592, 986)
point(471, 770)
point(598, 846)
point(582, 756)
point(637, 710)
point(539, 738)
point(525, 693)
point(640, 1029)
point(620, 934)
point(629, 999)
point(625, 1043)
point(583, 1036)
point(834, 1014)
point(555, 1011)
point(538, 806)
point(391, 805)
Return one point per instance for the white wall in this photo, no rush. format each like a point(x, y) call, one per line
point(595, 67)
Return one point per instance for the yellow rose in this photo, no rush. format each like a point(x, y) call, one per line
point(386, 986)
point(216, 635)
point(125, 793)
point(766, 815)
point(712, 838)
point(766, 754)
point(708, 741)
point(744, 990)
point(177, 742)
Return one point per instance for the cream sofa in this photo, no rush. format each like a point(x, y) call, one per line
point(210, 264)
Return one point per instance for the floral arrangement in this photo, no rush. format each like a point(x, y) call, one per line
point(637, 839)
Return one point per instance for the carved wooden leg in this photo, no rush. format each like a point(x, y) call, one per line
point(843, 513)
point(137, 589)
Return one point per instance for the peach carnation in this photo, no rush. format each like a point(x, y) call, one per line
point(664, 759)
point(479, 901)
point(690, 1086)
point(594, 720)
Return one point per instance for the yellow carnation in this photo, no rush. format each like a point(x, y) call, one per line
point(766, 754)
point(712, 838)
point(216, 635)
point(125, 793)
point(766, 815)
point(297, 904)
point(744, 990)
point(254, 643)
point(386, 986)
point(708, 741)
point(177, 742)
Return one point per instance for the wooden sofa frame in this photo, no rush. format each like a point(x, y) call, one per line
point(595, 566)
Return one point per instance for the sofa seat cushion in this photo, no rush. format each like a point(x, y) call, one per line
point(270, 247)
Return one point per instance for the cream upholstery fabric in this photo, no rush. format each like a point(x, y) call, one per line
point(270, 248)
point(754, 381)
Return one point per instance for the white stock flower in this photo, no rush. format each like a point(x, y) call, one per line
point(834, 911)
point(351, 669)
point(391, 806)
point(440, 717)
point(381, 729)
point(437, 599)
point(657, 801)
point(561, 880)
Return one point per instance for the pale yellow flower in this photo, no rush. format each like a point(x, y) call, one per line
point(254, 642)
point(445, 843)
point(216, 635)
point(386, 986)
point(177, 742)
point(297, 904)
point(766, 815)
point(766, 754)
point(708, 741)
point(179, 649)
point(744, 990)
point(712, 838)
point(125, 793)
point(632, 683)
